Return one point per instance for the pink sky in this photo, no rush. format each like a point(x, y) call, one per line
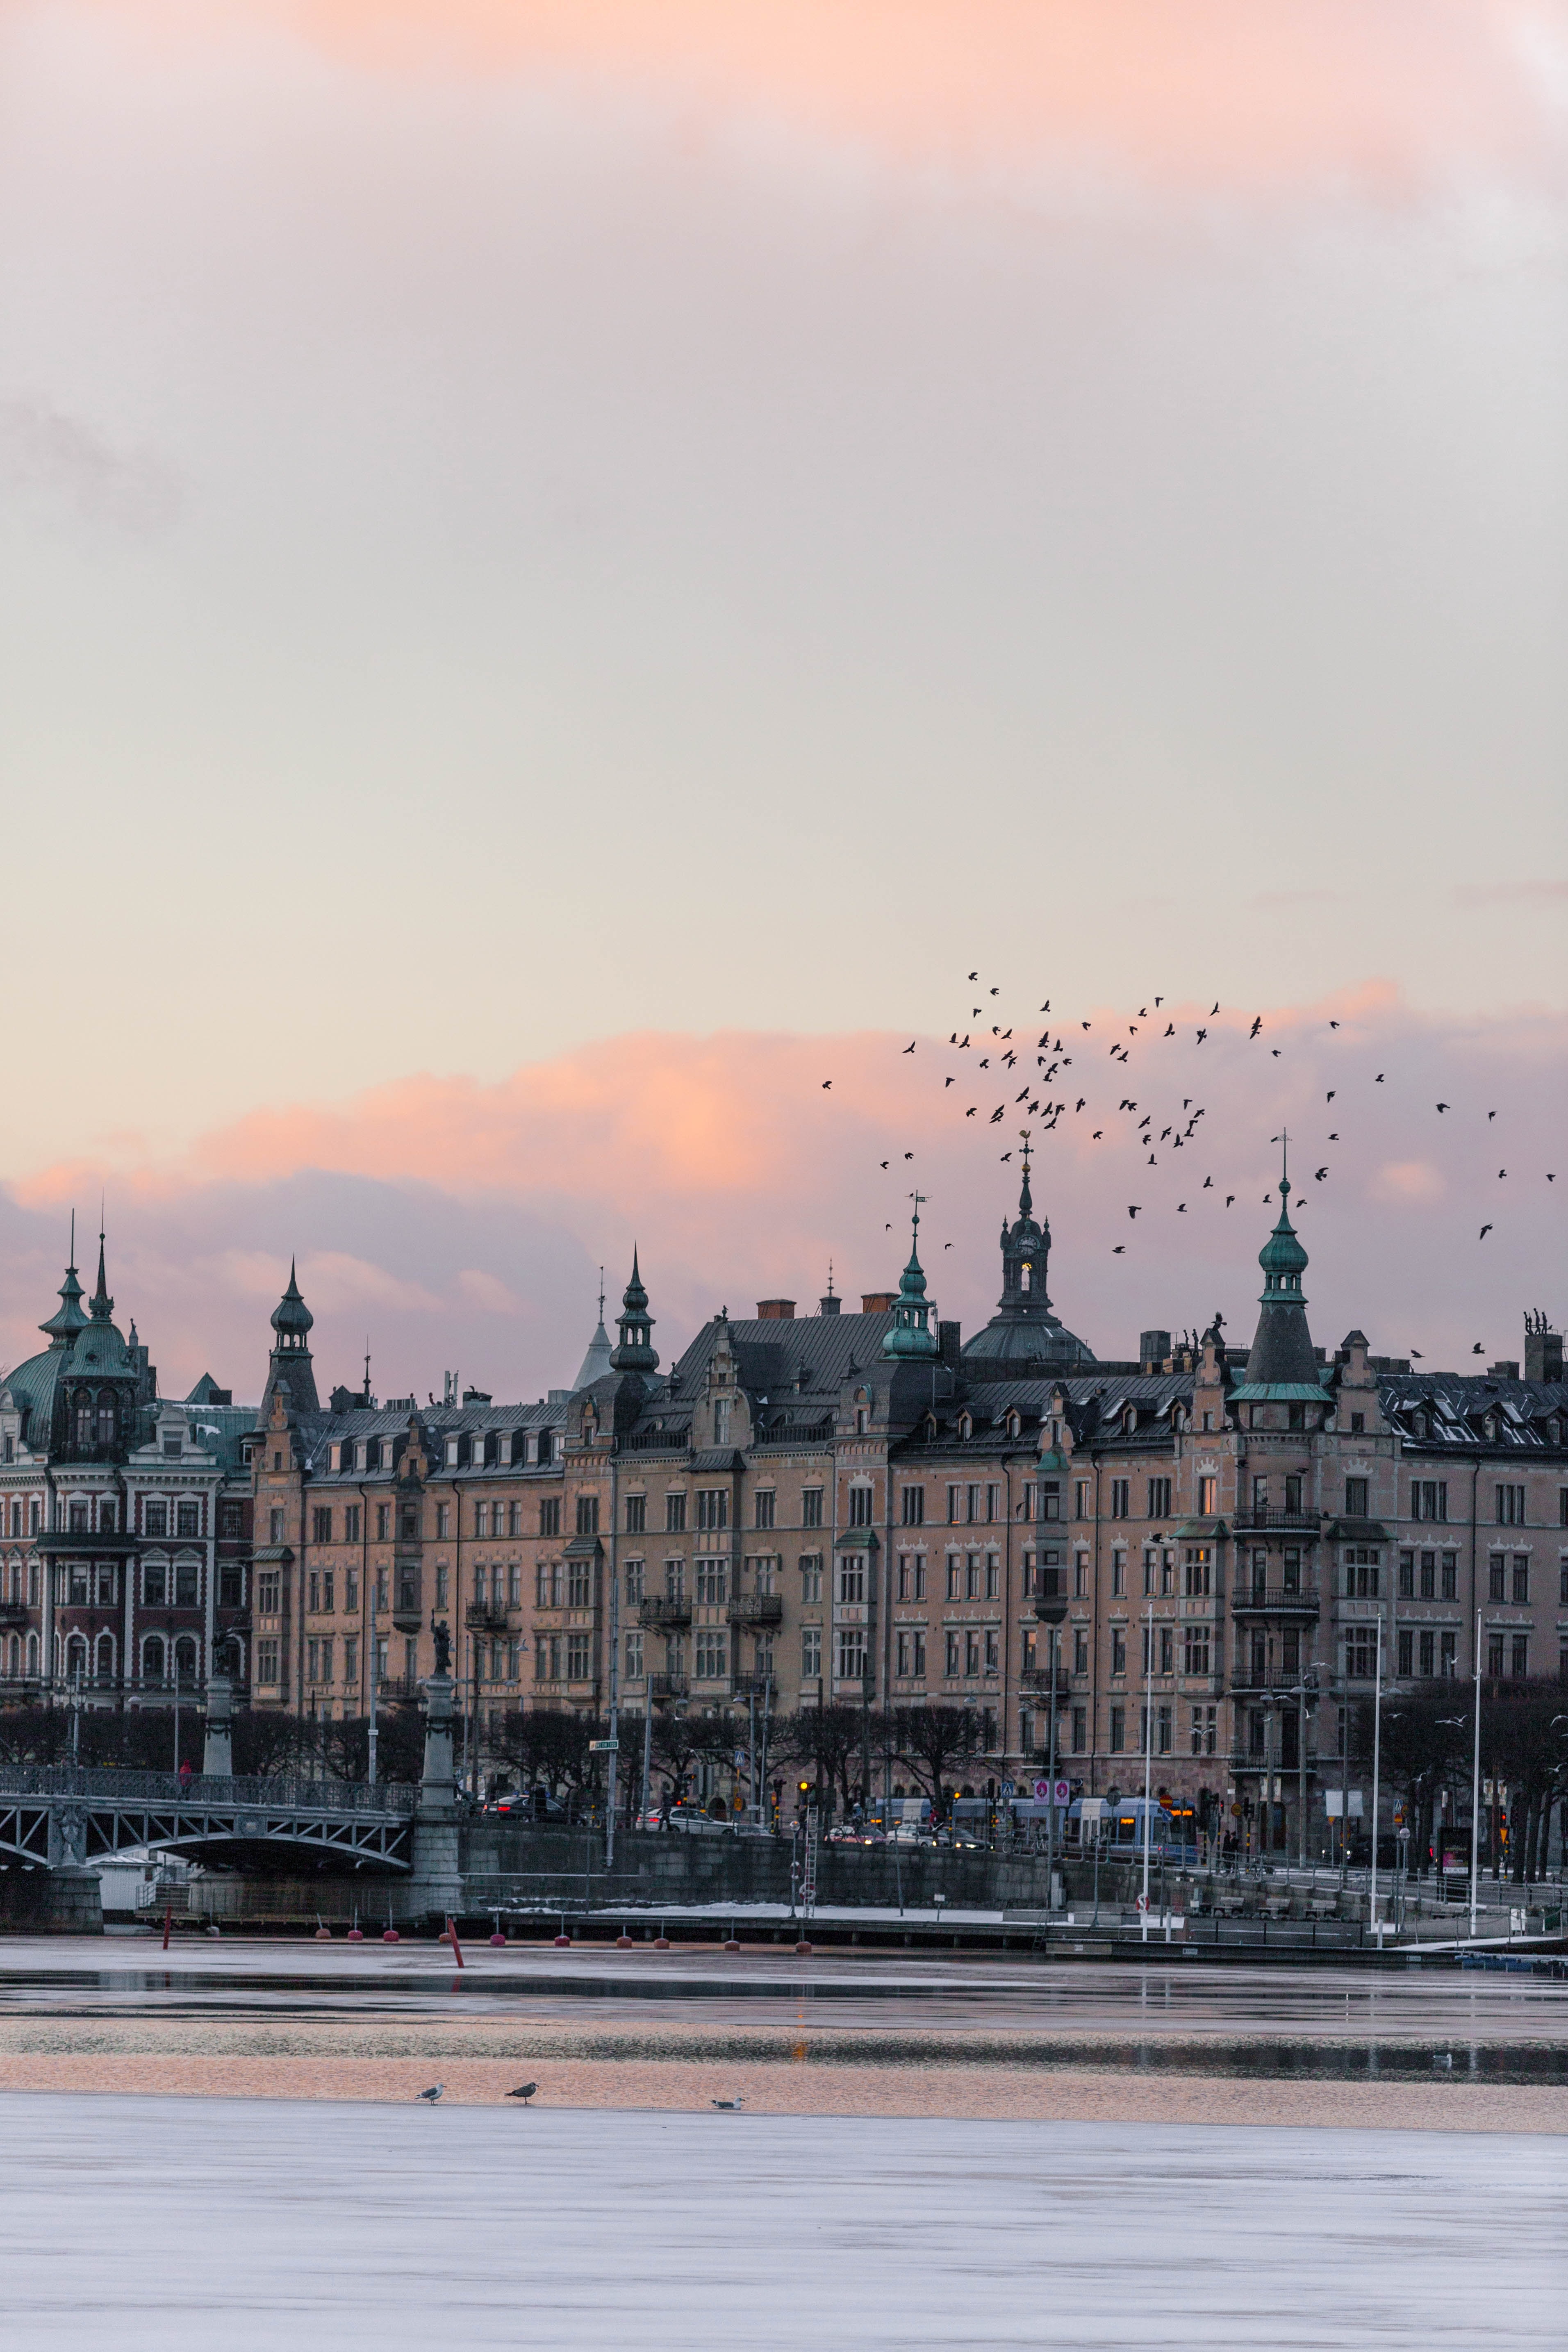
point(458, 1225)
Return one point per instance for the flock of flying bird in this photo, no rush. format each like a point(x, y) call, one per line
point(1047, 1096)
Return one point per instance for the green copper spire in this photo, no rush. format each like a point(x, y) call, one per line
point(67, 1319)
point(911, 1334)
point(1282, 1357)
point(633, 1350)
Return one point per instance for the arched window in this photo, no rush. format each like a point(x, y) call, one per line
point(33, 1656)
point(82, 1421)
point(152, 1658)
point(104, 1664)
point(185, 1658)
point(76, 1659)
point(1026, 1275)
point(14, 1657)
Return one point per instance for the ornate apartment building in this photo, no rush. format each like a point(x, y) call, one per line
point(124, 1519)
point(854, 1507)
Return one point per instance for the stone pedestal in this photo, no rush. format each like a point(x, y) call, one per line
point(437, 1884)
point(64, 1901)
point(218, 1752)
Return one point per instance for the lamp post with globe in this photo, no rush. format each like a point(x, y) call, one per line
point(1050, 1610)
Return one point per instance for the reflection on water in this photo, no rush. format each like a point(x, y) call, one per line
point(160, 2225)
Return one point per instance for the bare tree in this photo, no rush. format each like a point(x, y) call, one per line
point(931, 1740)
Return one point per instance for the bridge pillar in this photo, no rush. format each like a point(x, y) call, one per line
point(218, 1752)
point(437, 1882)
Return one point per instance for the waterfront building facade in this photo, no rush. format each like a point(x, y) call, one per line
point(853, 1508)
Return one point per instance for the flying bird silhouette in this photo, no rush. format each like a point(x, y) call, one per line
point(1442, 1106)
point(1119, 1250)
point(1214, 1008)
point(1477, 1350)
point(1333, 1024)
point(1133, 1211)
point(1378, 1080)
point(910, 1046)
point(1484, 1232)
point(1229, 1200)
point(1257, 1026)
point(1319, 1174)
point(826, 1084)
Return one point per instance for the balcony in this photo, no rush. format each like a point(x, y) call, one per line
point(1039, 1678)
point(13, 1612)
point(480, 1617)
point(663, 1616)
point(665, 1686)
point(756, 1609)
point(764, 1688)
point(1257, 1684)
point(1277, 1599)
point(1264, 1520)
point(392, 1690)
point(406, 1614)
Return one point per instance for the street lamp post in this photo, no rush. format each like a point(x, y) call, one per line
point(1476, 1789)
point(1049, 1611)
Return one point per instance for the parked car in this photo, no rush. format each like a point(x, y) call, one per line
point(528, 1805)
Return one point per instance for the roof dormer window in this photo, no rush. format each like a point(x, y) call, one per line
point(966, 1427)
point(1013, 1425)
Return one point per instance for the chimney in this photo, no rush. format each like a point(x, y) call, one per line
point(1542, 1350)
point(830, 1305)
point(948, 1346)
point(1506, 1370)
point(775, 1311)
point(877, 1302)
point(1153, 1347)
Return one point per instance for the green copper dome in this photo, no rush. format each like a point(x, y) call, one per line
point(910, 1335)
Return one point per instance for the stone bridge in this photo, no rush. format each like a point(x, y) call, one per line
point(57, 1818)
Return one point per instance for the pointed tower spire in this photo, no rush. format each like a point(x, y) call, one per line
point(633, 1350)
point(289, 1367)
point(1282, 1355)
point(911, 1334)
point(596, 1363)
point(101, 1305)
point(67, 1319)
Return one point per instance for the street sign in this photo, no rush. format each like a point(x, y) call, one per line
point(604, 1746)
point(1042, 1787)
point(1064, 1792)
point(1006, 1788)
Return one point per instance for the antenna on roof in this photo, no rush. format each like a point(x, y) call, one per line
point(601, 1293)
point(830, 1278)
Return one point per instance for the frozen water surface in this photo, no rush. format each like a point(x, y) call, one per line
point(263, 2226)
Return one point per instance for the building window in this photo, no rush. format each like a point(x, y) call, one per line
point(810, 1578)
point(383, 1521)
point(763, 1501)
point(1429, 1498)
point(321, 1524)
point(954, 1655)
point(588, 1515)
point(1118, 1649)
point(1360, 1654)
point(1120, 1489)
point(711, 1656)
point(579, 1584)
point(1355, 1498)
point(954, 1575)
point(266, 1662)
point(1510, 1506)
point(188, 1518)
point(187, 1585)
point(634, 1655)
point(712, 1582)
point(852, 1580)
point(350, 1523)
point(1521, 1579)
point(1519, 1659)
point(1407, 1651)
point(1159, 1498)
point(1407, 1576)
point(912, 1506)
point(1497, 1578)
point(579, 1657)
point(1118, 1742)
point(1195, 1649)
point(1208, 1490)
point(550, 1514)
point(954, 1505)
point(811, 1506)
point(912, 1576)
point(156, 1518)
point(811, 1652)
point(861, 1506)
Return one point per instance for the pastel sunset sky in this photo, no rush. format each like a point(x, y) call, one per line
point(569, 568)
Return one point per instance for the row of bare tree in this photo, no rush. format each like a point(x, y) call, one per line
point(1428, 1745)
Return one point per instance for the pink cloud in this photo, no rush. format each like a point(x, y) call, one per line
point(1204, 91)
point(462, 1222)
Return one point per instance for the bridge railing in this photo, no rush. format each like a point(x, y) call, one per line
point(168, 1788)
